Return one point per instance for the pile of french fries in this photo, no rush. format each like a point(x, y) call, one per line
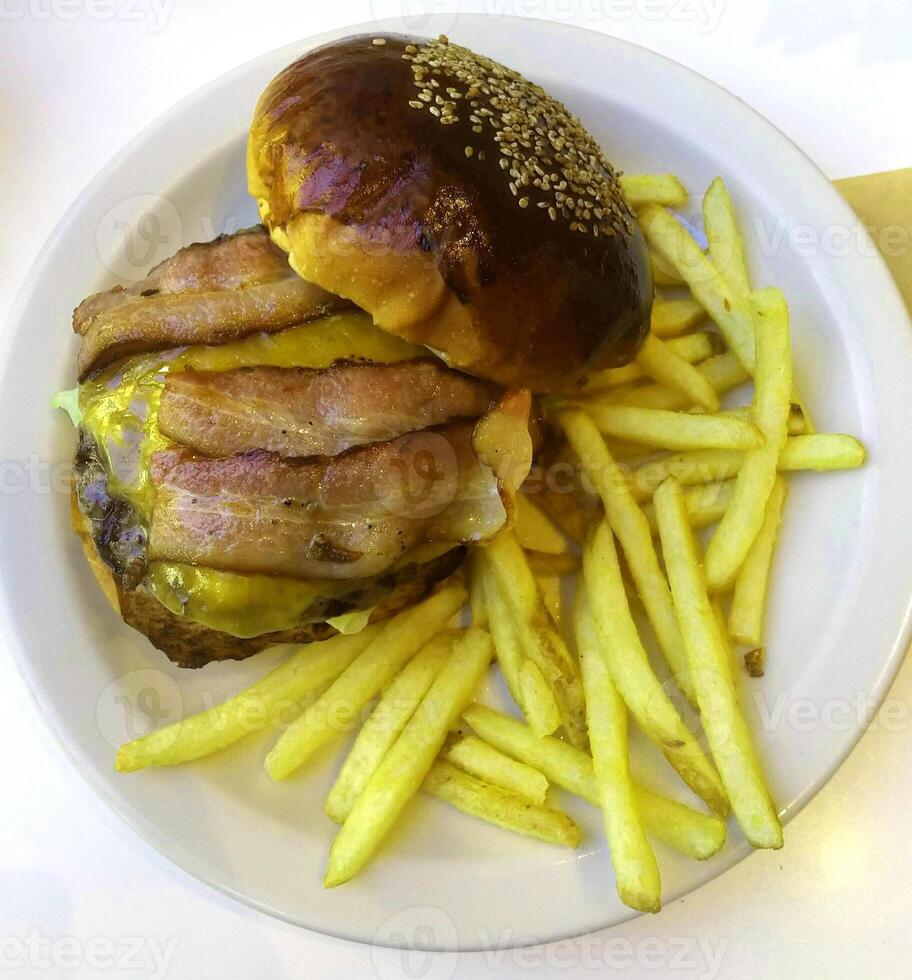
point(657, 457)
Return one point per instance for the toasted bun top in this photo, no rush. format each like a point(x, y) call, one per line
point(457, 203)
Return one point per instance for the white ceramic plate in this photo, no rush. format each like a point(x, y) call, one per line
point(840, 609)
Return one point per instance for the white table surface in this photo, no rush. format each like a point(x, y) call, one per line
point(80, 895)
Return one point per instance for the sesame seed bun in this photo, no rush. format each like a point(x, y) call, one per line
point(457, 203)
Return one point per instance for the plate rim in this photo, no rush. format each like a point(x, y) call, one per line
point(147, 830)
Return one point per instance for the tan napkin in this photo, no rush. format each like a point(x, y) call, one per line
point(884, 204)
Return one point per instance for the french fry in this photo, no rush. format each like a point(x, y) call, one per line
point(251, 710)
point(405, 765)
point(692, 347)
point(632, 529)
point(732, 312)
point(671, 317)
point(719, 616)
point(820, 452)
point(337, 709)
point(663, 273)
point(742, 519)
point(696, 467)
point(490, 765)
point(632, 857)
point(542, 564)
point(477, 603)
point(662, 364)
point(698, 835)
point(540, 641)
point(672, 430)
point(704, 505)
point(535, 529)
point(745, 619)
point(498, 806)
point(550, 588)
point(725, 728)
point(726, 247)
point(663, 189)
point(538, 704)
point(386, 721)
point(723, 371)
point(797, 425)
point(632, 673)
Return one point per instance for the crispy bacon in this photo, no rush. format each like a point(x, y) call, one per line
point(348, 517)
point(299, 412)
point(207, 293)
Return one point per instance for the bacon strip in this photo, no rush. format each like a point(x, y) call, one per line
point(207, 293)
point(348, 517)
point(299, 412)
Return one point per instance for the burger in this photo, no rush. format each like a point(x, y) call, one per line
point(300, 428)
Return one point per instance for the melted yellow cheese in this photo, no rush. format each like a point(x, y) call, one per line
point(120, 411)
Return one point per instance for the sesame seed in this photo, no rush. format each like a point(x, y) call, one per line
point(379, 41)
point(415, 104)
point(469, 151)
point(536, 138)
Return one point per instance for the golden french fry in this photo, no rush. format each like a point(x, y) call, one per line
point(745, 619)
point(661, 363)
point(725, 728)
point(337, 709)
point(698, 835)
point(632, 529)
point(690, 468)
point(742, 519)
point(552, 565)
point(539, 703)
point(386, 721)
point(490, 765)
point(692, 347)
point(477, 604)
point(663, 189)
point(550, 588)
point(671, 317)
point(405, 765)
point(535, 529)
point(671, 430)
point(676, 246)
point(797, 425)
point(726, 247)
point(635, 867)
point(723, 372)
point(663, 273)
point(539, 639)
point(498, 806)
point(252, 710)
point(705, 505)
point(525, 686)
point(632, 674)
point(821, 451)
point(722, 626)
